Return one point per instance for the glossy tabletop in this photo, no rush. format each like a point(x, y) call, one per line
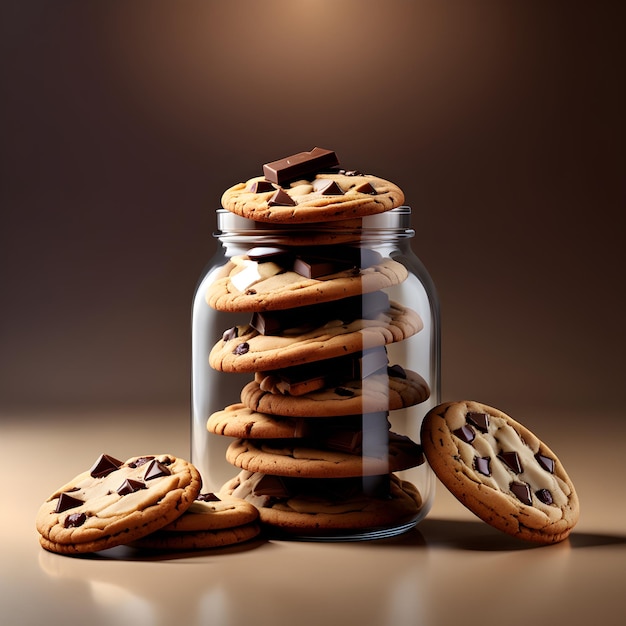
point(451, 569)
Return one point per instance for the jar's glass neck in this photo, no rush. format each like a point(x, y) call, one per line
point(385, 227)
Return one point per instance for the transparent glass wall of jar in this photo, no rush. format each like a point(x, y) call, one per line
point(390, 235)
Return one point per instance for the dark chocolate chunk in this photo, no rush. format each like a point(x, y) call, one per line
point(351, 172)
point(312, 262)
point(546, 462)
point(361, 258)
point(327, 187)
point(522, 492)
point(544, 495)
point(74, 520)
point(156, 470)
point(231, 333)
point(267, 323)
point(315, 269)
point(511, 460)
point(482, 464)
point(396, 371)
point(365, 306)
point(314, 265)
point(130, 486)
point(104, 466)
point(349, 440)
point(299, 165)
point(465, 433)
point(480, 420)
point(261, 186)
point(262, 254)
point(342, 391)
point(67, 502)
point(140, 461)
point(207, 497)
point(242, 348)
point(281, 198)
point(365, 188)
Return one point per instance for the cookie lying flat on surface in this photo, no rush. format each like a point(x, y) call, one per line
point(500, 471)
point(211, 521)
point(116, 502)
point(213, 512)
point(246, 349)
point(252, 286)
point(327, 506)
point(198, 540)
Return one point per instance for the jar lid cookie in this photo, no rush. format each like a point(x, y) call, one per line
point(309, 187)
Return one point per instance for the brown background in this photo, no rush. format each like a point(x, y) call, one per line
point(122, 123)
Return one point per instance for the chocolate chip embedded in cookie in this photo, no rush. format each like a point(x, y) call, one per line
point(306, 188)
point(116, 502)
point(500, 471)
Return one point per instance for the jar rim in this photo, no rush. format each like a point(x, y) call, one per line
point(395, 221)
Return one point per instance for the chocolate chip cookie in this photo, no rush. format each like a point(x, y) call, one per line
point(328, 507)
point(277, 339)
point(116, 502)
point(212, 521)
point(500, 471)
point(308, 187)
point(281, 277)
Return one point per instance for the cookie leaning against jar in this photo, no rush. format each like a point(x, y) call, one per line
point(308, 187)
point(500, 471)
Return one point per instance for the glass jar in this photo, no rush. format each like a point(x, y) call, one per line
point(388, 235)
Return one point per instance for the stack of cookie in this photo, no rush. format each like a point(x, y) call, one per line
point(312, 437)
point(152, 501)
